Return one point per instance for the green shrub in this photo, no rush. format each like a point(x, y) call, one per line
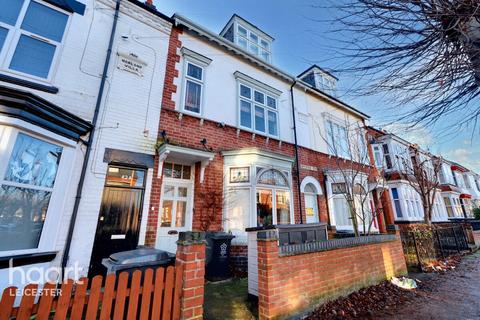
point(476, 213)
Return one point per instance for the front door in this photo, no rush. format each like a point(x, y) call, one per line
point(176, 210)
point(120, 213)
point(311, 207)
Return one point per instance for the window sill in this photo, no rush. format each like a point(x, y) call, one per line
point(28, 84)
point(26, 259)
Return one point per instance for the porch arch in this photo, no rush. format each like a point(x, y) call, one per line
point(312, 180)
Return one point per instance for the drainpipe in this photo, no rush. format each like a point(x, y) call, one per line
point(78, 197)
point(297, 162)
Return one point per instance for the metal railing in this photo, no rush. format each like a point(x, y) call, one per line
point(422, 247)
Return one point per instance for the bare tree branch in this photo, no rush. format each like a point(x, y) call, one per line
point(424, 53)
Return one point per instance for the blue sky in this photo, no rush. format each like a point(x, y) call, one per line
point(303, 37)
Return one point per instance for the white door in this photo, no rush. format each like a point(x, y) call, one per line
point(341, 213)
point(311, 207)
point(176, 206)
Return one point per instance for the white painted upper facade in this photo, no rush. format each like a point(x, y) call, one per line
point(128, 118)
point(228, 78)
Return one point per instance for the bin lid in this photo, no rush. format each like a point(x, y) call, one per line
point(141, 255)
point(220, 235)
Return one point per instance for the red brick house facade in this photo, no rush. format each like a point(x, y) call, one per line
point(205, 142)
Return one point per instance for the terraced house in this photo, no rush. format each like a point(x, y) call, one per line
point(456, 187)
point(460, 189)
point(244, 144)
point(78, 80)
point(120, 127)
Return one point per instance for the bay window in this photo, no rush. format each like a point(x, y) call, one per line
point(28, 175)
point(31, 34)
point(258, 110)
point(257, 190)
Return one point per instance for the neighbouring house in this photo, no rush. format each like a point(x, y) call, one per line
point(396, 158)
point(460, 189)
point(52, 58)
point(244, 144)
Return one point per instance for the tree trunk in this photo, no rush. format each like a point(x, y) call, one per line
point(426, 214)
point(353, 216)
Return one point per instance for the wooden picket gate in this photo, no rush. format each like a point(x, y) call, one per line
point(148, 295)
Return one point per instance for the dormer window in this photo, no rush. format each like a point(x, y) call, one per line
point(320, 79)
point(248, 37)
point(253, 43)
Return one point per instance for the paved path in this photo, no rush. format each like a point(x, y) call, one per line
point(454, 295)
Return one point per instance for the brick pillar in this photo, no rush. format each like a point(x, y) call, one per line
point(191, 256)
point(331, 231)
point(267, 242)
point(381, 214)
point(387, 208)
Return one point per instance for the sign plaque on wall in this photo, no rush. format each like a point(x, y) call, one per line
point(131, 63)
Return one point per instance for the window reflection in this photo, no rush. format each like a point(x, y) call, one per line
point(273, 177)
point(264, 208)
point(22, 215)
point(167, 213)
point(124, 177)
point(25, 192)
point(283, 207)
point(180, 214)
point(33, 161)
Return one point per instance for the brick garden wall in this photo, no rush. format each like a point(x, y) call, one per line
point(291, 283)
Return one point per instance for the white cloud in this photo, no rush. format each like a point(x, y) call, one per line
point(418, 135)
point(465, 157)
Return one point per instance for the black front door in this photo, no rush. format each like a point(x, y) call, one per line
point(120, 213)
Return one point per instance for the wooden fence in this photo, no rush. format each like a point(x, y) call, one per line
point(148, 295)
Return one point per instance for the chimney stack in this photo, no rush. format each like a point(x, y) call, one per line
point(150, 3)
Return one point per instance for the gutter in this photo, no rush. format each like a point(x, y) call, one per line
point(297, 162)
point(78, 197)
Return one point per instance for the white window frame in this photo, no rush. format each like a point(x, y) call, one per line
point(330, 121)
point(466, 180)
point(201, 82)
point(273, 189)
point(451, 205)
point(57, 201)
point(253, 104)
point(249, 41)
point(13, 37)
point(399, 201)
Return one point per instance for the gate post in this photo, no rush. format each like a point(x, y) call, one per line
point(191, 257)
point(267, 242)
